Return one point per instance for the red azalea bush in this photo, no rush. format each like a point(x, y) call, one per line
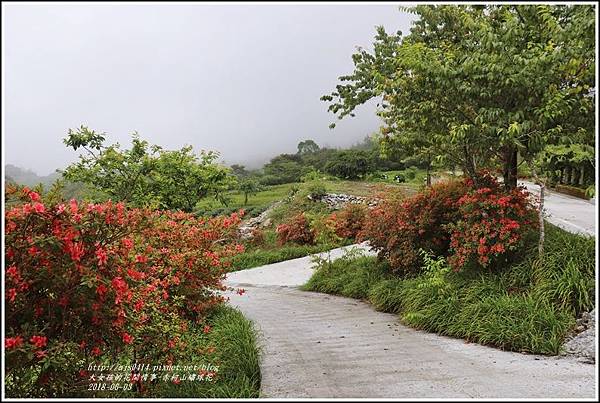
point(91, 281)
point(296, 230)
point(469, 223)
point(493, 225)
point(399, 227)
point(349, 221)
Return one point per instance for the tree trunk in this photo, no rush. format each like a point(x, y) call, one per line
point(582, 175)
point(541, 218)
point(510, 168)
point(567, 175)
point(561, 180)
point(540, 212)
point(428, 171)
point(469, 165)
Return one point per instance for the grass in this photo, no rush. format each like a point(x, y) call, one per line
point(260, 256)
point(529, 307)
point(235, 354)
point(256, 202)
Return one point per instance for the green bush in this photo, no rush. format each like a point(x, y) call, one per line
point(410, 173)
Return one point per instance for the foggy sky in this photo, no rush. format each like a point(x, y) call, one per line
point(244, 80)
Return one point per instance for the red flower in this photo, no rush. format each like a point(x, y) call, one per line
point(73, 206)
point(128, 243)
point(101, 290)
point(13, 342)
point(141, 259)
point(33, 251)
point(138, 306)
point(102, 256)
point(12, 294)
point(12, 272)
point(241, 291)
point(39, 341)
point(127, 338)
point(96, 351)
point(63, 301)
point(206, 329)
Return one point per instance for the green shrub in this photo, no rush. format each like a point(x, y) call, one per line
point(316, 191)
point(410, 173)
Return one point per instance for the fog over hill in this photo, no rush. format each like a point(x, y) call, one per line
point(243, 80)
point(27, 177)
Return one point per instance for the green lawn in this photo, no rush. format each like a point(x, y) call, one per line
point(256, 202)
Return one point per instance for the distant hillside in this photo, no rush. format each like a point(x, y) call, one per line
point(27, 177)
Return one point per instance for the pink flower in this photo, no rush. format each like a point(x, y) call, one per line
point(41, 354)
point(34, 196)
point(39, 208)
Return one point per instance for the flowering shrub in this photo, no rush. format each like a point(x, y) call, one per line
point(493, 225)
point(480, 224)
point(297, 230)
point(257, 237)
point(349, 221)
point(87, 281)
point(398, 227)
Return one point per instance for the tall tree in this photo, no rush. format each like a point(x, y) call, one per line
point(477, 84)
point(307, 147)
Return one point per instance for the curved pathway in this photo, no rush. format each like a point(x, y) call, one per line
point(322, 346)
point(570, 213)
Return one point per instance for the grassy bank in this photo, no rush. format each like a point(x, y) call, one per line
point(528, 307)
point(230, 346)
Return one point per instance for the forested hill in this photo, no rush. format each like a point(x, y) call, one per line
point(27, 177)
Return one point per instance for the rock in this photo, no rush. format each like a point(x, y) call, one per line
point(336, 201)
point(582, 343)
point(262, 220)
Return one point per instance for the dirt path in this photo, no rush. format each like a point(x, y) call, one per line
point(318, 345)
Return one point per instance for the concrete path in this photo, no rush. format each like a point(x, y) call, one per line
point(322, 346)
point(568, 212)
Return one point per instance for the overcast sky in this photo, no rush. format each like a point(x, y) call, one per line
point(244, 80)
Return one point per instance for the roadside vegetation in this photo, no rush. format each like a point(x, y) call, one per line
point(529, 306)
point(105, 283)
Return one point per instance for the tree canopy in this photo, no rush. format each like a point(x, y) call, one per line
point(146, 174)
point(474, 85)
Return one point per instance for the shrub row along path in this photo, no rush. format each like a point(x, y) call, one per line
point(318, 345)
